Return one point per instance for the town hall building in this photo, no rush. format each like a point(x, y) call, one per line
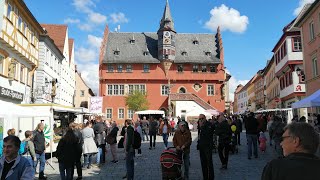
point(183, 74)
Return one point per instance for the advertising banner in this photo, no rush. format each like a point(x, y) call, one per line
point(96, 105)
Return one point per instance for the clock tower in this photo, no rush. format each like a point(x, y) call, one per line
point(166, 40)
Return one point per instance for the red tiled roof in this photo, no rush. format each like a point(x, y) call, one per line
point(57, 33)
point(190, 97)
point(70, 41)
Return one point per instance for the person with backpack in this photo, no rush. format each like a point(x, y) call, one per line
point(129, 149)
point(28, 148)
point(276, 130)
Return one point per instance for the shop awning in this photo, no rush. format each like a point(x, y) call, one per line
point(311, 101)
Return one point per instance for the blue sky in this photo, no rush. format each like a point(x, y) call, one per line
point(250, 29)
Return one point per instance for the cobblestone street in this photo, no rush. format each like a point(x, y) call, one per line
point(148, 166)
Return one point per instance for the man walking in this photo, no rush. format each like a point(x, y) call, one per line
point(224, 132)
point(182, 141)
point(252, 132)
point(205, 144)
point(276, 131)
point(299, 142)
point(12, 165)
point(153, 128)
point(129, 138)
point(40, 146)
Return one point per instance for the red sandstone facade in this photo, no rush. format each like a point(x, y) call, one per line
point(119, 77)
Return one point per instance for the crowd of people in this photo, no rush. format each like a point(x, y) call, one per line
point(295, 145)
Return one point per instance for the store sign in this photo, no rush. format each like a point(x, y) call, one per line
point(96, 104)
point(298, 88)
point(4, 92)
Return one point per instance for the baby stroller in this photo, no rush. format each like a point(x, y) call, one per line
point(233, 144)
point(171, 163)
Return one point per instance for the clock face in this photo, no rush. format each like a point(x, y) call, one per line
point(167, 41)
point(166, 34)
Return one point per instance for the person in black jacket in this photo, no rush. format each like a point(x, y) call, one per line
point(67, 152)
point(113, 145)
point(238, 124)
point(223, 130)
point(40, 146)
point(252, 132)
point(100, 135)
point(299, 142)
point(205, 145)
point(76, 130)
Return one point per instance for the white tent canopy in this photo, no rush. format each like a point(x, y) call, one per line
point(311, 101)
point(10, 109)
point(150, 112)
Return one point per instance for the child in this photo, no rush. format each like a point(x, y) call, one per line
point(263, 142)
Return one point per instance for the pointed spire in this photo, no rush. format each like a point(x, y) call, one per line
point(167, 21)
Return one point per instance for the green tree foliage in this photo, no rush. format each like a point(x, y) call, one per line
point(137, 101)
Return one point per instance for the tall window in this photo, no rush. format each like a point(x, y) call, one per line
point(210, 90)
point(311, 30)
point(115, 89)
point(296, 43)
point(195, 68)
point(1, 63)
point(109, 113)
point(110, 67)
point(137, 87)
point(121, 89)
point(20, 23)
point(130, 113)
point(110, 89)
point(146, 68)
point(315, 67)
point(180, 67)
point(121, 113)
point(22, 73)
point(25, 26)
point(9, 9)
point(119, 67)
point(129, 68)
point(164, 90)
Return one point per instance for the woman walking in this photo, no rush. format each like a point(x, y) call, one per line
point(67, 152)
point(89, 147)
point(165, 130)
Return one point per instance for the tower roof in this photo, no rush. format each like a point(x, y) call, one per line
point(166, 22)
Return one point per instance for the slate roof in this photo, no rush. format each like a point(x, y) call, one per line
point(57, 33)
point(134, 53)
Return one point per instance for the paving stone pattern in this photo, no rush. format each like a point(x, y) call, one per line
point(147, 167)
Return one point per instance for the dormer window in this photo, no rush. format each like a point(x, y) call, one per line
point(116, 52)
point(146, 53)
point(195, 42)
point(184, 53)
point(208, 53)
point(132, 41)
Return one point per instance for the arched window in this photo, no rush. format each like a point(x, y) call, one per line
point(182, 90)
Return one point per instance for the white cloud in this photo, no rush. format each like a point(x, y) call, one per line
point(228, 19)
point(301, 5)
point(83, 5)
point(97, 18)
point(85, 27)
point(90, 74)
point(118, 18)
point(94, 41)
point(71, 21)
point(86, 55)
point(233, 83)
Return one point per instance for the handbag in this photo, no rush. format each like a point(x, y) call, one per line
point(120, 144)
point(110, 139)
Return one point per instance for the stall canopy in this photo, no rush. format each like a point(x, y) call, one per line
point(10, 109)
point(150, 112)
point(311, 101)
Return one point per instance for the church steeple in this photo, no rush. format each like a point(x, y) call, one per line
point(166, 22)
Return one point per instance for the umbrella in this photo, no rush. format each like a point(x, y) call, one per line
point(212, 111)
